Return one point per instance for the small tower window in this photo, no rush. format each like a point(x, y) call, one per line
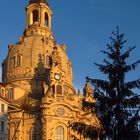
point(59, 89)
point(35, 16)
point(46, 19)
point(59, 133)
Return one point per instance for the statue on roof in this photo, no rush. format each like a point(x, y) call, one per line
point(88, 92)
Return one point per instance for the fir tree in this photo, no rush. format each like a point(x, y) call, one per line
point(116, 97)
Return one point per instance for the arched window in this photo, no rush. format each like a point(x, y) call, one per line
point(46, 19)
point(18, 60)
point(32, 135)
point(59, 133)
point(59, 89)
point(14, 62)
point(35, 16)
point(11, 94)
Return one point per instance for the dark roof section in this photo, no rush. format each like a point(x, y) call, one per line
point(38, 1)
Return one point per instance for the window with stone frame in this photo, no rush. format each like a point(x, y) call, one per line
point(11, 93)
point(46, 19)
point(59, 89)
point(13, 62)
point(35, 16)
point(18, 60)
point(59, 134)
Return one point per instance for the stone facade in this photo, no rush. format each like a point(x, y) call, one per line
point(3, 113)
point(39, 70)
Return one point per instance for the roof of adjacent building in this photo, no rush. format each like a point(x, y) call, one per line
point(38, 1)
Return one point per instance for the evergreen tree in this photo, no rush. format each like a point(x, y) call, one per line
point(117, 98)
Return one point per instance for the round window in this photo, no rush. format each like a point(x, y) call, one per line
point(60, 111)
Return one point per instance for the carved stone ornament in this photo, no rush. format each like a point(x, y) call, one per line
point(88, 90)
point(56, 59)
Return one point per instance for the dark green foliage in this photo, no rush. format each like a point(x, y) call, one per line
point(85, 130)
point(115, 96)
point(88, 106)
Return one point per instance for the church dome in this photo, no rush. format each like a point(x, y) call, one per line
point(37, 61)
point(32, 60)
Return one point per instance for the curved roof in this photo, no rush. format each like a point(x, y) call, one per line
point(38, 1)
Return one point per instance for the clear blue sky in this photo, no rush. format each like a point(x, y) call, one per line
point(83, 25)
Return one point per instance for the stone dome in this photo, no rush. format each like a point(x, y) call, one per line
point(33, 53)
point(37, 62)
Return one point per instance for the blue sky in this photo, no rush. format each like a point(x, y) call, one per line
point(83, 25)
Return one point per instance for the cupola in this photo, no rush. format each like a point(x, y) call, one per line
point(38, 18)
